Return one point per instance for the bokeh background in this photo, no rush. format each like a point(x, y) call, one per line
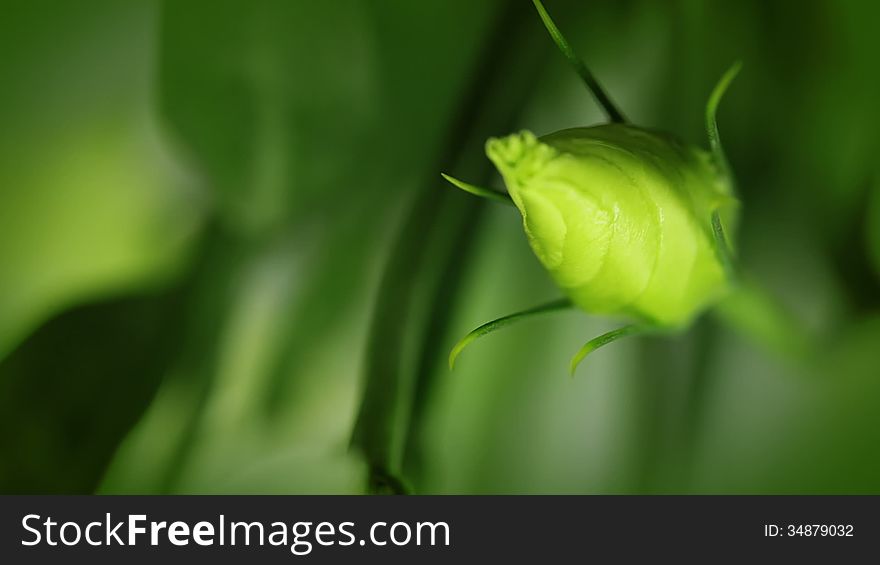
point(228, 263)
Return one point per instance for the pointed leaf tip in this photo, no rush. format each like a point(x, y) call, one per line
point(711, 116)
point(601, 341)
point(478, 190)
point(489, 327)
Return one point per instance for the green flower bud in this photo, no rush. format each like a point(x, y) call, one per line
point(621, 218)
point(627, 221)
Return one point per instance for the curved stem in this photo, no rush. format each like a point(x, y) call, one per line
point(480, 191)
point(602, 340)
point(711, 121)
point(489, 327)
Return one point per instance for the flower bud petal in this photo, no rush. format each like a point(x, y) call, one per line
point(620, 217)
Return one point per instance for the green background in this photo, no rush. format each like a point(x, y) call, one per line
point(223, 232)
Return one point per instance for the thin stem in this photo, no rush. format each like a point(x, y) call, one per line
point(480, 191)
point(722, 248)
point(489, 327)
point(711, 121)
point(602, 340)
point(580, 68)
